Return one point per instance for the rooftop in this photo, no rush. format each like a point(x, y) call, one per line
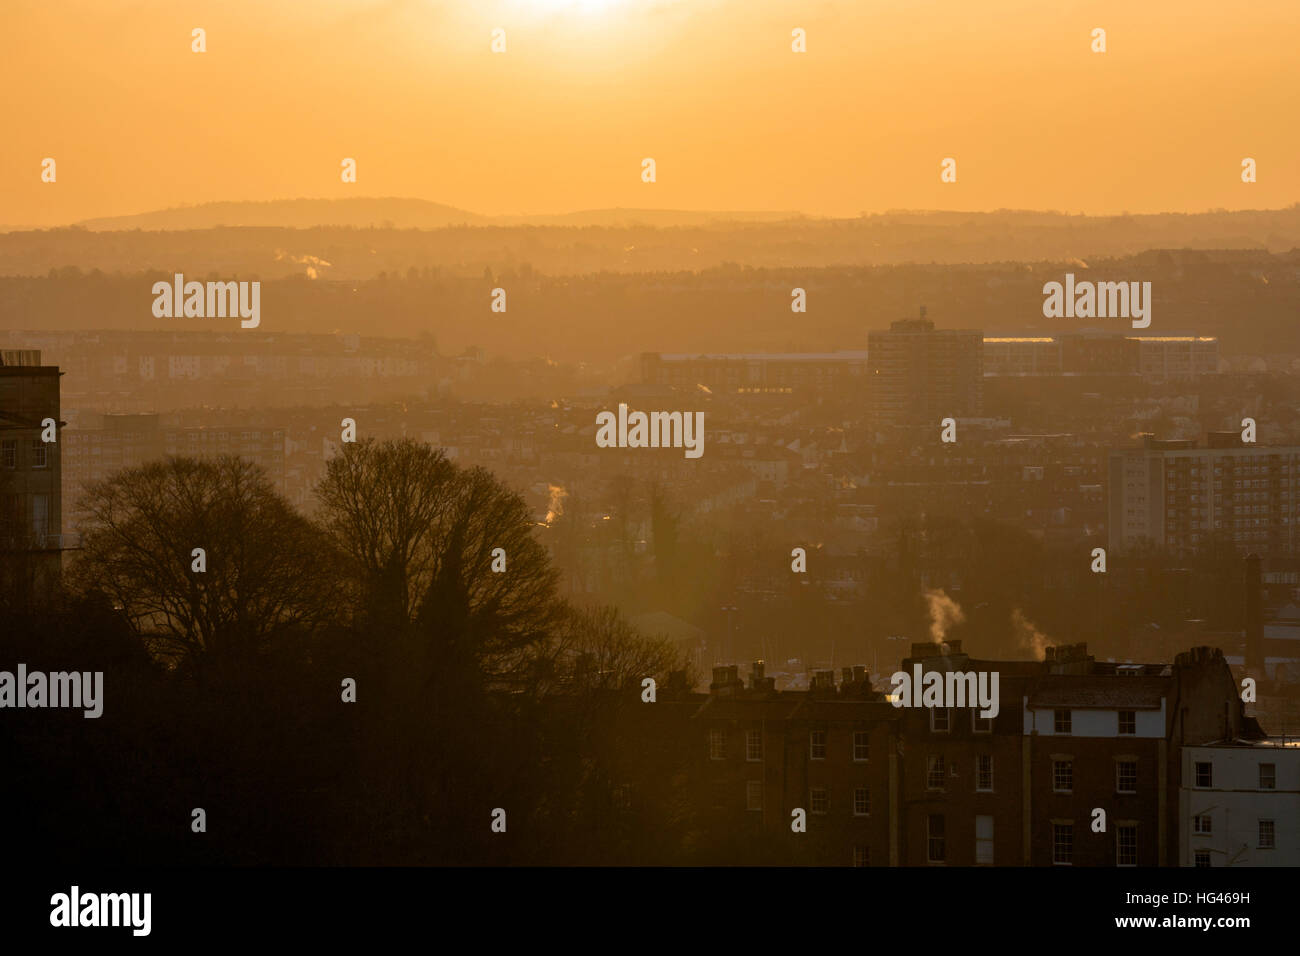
point(1083, 692)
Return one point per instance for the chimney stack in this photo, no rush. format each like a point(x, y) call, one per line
point(726, 681)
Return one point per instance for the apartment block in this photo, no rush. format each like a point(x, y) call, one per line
point(127, 441)
point(1156, 358)
point(1175, 495)
point(919, 375)
point(31, 511)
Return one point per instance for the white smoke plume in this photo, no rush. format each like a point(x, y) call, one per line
point(1029, 636)
point(944, 613)
point(555, 507)
point(314, 264)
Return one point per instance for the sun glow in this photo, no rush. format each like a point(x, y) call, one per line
point(571, 6)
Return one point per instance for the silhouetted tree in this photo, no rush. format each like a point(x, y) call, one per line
point(423, 536)
point(447, 623)
point(382, 505)
point(596, 648)
point(609, 786)
point(267, 576)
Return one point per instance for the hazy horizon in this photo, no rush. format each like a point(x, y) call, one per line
point(669, 215)
point(711, 90)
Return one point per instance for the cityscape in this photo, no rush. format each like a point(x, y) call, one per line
point(827, 539)
point(732, 438)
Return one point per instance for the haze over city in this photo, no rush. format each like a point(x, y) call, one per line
point(737, 436)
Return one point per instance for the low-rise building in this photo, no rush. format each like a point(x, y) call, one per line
point(1239, 803)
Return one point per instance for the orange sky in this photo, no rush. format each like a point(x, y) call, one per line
point(709, 88)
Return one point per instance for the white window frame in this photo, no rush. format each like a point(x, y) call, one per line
point(1118, 784)
point(934, 763)
point(1070, 861)
point(1057, 721)
point(814, 745)
point(1272, 834)
point(866, 746)
point(1120, 830)
point(717, 743)
point(856, 811)
point(930, 838)
point(1196, 774)
point(822, 795)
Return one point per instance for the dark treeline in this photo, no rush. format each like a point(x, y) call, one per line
point(600, 317)
point(227, 627)
point(356, 239)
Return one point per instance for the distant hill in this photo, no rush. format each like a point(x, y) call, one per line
point(296, 214)
point(660, 218)
point(1246, 228)
point(395, 213)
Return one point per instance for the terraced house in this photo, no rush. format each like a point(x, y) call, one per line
point(932, 786)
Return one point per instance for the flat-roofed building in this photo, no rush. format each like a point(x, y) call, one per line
point(128, 441)
point(1011, 354)
point(1175, 495)
point(1156, 358)
point(920, 375)
point(31, 513)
